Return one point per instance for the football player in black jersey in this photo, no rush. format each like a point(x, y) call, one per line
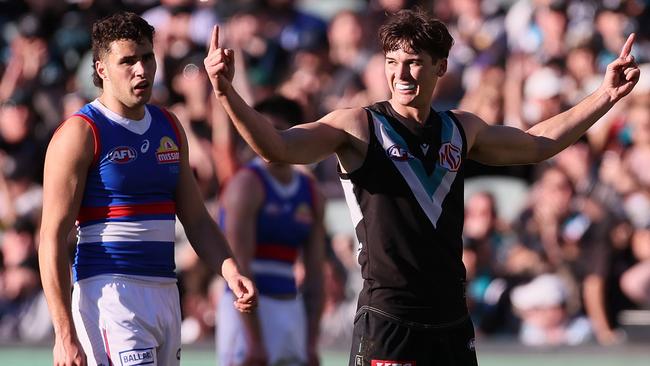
point(401, 167)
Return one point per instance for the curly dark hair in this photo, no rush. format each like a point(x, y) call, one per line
point(119, 26)
point(416, 31)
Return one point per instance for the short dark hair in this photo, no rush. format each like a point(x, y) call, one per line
point(416, 31)
point(119, 26)
point(281, 107)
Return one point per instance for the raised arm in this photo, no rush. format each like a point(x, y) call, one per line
point(501, 145)
point(306, 143)
point(204, 235)
point(68, 158)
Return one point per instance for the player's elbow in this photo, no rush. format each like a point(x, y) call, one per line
point(272, 155)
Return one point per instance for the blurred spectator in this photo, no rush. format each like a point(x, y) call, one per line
point(485, 254)
point(542, 96)
point(21, 159)
point(338, 308)
point(292, 28)
point(23, 309)
point(635, 282)
point(546, 321)
point(573, 236)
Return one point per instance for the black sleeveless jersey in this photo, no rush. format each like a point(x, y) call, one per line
point(406, 203)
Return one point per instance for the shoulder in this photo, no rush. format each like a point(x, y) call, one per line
point(81, 130)
point(75, 139)
point(467, 118)
point(345, 118)
point(351, 121)
point(244, 186)
point(472, 124)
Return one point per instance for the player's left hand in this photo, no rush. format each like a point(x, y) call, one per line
point(622, 74)
point(244, 291)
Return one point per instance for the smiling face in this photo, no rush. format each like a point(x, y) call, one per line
point(412, 77)
point(127, 72)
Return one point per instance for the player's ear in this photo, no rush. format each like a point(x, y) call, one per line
point(100, 67)
point(442, 67)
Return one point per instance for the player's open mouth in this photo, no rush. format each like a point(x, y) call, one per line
point(400, 86)
point(141, 85)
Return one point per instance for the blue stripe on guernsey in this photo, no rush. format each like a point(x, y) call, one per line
point(275, 285)
point(133, 258)
point(430, 191)
point(127, 216)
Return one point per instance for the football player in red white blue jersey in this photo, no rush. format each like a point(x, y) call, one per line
point(272, 215)
point(120, 169)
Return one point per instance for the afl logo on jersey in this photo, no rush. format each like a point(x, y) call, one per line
point(399, 153)
point(122, 155)
point(450, 156)
point(167, 152)
point(303, 214)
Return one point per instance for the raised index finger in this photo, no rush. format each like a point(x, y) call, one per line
point(627, 47)
point(214, 41)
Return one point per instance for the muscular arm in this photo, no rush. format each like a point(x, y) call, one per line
point(593, 293)
point(306, 143)
point(203, 233)
point(241, 201)
point(314, 257)
point(504, 145)
point(500, 145)
point(68, 158)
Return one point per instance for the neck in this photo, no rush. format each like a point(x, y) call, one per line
point(282, 172)
point(418, 114)
point(112, 103)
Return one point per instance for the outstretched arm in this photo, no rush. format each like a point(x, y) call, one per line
point(68, 158)
point(302, 144)
point(204, 235)
point(501, 145)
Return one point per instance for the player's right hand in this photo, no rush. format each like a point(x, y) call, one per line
point(245, 293)
point(219, 64)
point(68, 353)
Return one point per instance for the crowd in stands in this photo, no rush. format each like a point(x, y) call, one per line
point(558, 272)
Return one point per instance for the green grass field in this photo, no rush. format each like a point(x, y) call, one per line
point(491, 354)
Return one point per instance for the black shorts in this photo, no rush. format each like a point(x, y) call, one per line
point(381, 339)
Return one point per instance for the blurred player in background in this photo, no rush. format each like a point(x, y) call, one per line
point(273, 214)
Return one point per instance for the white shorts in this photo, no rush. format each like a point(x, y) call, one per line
point(128, 321)
point(284, 331)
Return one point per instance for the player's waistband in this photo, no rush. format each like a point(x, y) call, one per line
point(133, 258)
point(412, 324)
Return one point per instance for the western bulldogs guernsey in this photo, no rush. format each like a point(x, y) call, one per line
point(406, 203)
point(283, 226)
point(127, 215)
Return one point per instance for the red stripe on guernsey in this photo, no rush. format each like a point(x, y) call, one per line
point(93, 127)
point(276, 252)
point(174, 125)
point(108, 350)
point(111, 212)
